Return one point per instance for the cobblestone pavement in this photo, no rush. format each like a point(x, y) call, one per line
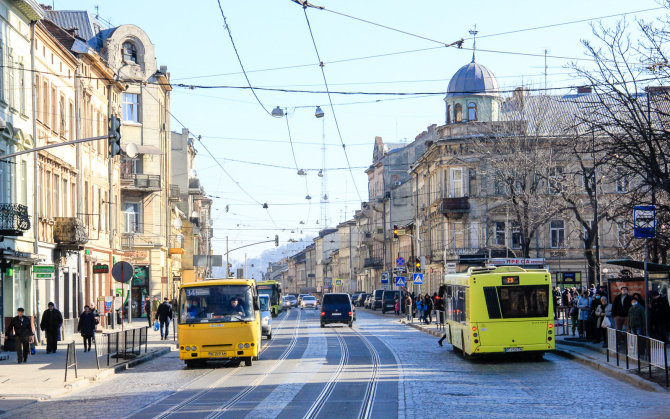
point(380, 368)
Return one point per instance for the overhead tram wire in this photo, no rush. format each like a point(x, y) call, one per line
point(237, 54)
point(330, 101)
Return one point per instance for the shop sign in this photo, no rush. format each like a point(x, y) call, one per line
point(44, 272)
point(100, 269)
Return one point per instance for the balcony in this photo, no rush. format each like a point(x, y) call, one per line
point(127, 241)
point(14, 219)
point(174, 193)
point(373, 263)
point(140, 182)
point(70, 232)
point(454, 206)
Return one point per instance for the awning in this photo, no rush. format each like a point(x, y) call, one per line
point(145, 149)
point(638, 264)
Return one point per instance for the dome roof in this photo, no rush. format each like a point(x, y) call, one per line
point(473, 79)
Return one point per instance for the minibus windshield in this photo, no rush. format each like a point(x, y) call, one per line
point(216, 304)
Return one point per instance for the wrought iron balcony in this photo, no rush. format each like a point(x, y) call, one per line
point(14, 219)
point(373, 263)
point(454, 205)
point(140, 182)
point(127, 241)
point(70, 231)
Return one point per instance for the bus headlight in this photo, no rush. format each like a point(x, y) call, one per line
point(246, 345)
point(240, 346)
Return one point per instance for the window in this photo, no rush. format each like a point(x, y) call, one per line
point(555, 180)
point(523, 301)
point(500, 233)
point(45, 102)
point(38, 98)
point(22, 89)
point(472, 111)
point(66, 201)
point(498, 186)
point(621, 239)
point(47, 196)
point(130, 104)
point(73, 200)
point(557, 233)
point(448, 114)
point(71, 115)
point(622, 181)
point(2, 71)
point(56, 196)
point(54, 110)
point(454, 301)
point(457, 189)
point(458, 113)
point(63, 119)
point(11, 82)
point(5, 180)
point(24, 182)
point(129, 51)
point(132, 217)
point(516, 235)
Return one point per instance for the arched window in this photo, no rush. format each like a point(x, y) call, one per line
point(448, 114)
point(458, 113)
point(472, 111)
point(129, 51)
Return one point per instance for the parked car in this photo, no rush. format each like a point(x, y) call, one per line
point(358, 302)
point(354, 297)
point(266, 316)
point(309, 301)
point(337, 308)
point(368, 301)
point(376, 299)
point(388, 300)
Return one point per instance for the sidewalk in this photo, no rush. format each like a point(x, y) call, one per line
point(43, 376)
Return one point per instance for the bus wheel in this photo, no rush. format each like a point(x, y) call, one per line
point(537, 356)
point(323, 325)
point(270, 336)
point(248, 361)
point(190, 363)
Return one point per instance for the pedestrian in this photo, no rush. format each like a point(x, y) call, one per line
point(164, 315)
point(584, 305)
point(22, 329)
point(603, 312)
point(574, 311)
point(396, 304)
point(52, 320)
point(592, 332)
point(620, 307)
point(636, 317)
point(409, 307)
point(429, 309)
point(419, 308)
point(154, 307)
point(557, 302)
point(86, 327)
point(592, 290)
point(147, 309)
point(659, 316)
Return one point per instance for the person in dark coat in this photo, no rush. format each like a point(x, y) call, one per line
point(620, 307)
point(659, 316)
point(164, 315)
point(428, 302)
point(147, 309)
point(86, 327)
point(51, 322)
point(22, 329)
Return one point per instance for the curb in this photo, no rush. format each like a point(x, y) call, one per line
point(612, 371)
point(435, 333)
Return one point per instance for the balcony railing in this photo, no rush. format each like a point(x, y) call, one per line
point(70, 231)
point(455, 205)
point(373, 263)
point(127, 241)
point(141, 182)
point(14, 219)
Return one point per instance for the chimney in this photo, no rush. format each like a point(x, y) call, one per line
point(519, 95)
point(583, 90)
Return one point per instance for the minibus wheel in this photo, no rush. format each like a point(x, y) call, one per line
point(248, 361)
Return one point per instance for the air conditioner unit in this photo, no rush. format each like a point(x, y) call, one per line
point(380, 231)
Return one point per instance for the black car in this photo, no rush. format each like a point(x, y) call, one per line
point(337, 308)
point(388, 300)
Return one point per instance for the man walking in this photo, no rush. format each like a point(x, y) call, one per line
point(51, 322)
point(147, 309)
point(620, 307)
point(164, 315)
point(23, 335)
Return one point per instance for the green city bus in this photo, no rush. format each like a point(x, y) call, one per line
point(273, 290)
point(499, 310)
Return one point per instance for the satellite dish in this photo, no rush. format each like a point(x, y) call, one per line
point(131, 150)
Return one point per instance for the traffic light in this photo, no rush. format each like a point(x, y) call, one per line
point(276, 240)
point(114, 136)
point(417, 263)
point(395, 231)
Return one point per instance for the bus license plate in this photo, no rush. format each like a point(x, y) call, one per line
point(517, 349)
point(217, 354)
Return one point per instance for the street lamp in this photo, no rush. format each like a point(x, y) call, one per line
point(277, 112)
point(319, 112)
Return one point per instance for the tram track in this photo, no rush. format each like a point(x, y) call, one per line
point(210, 387)
point(371, 389)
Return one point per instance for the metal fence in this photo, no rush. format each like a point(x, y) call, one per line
point(563, 322)
point(647, 352)
point(123, 344)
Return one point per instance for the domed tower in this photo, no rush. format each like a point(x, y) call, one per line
point(472, 95)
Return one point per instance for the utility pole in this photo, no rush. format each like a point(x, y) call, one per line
point(227, 264)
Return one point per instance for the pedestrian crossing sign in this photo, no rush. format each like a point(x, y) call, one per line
point(418, 279)
point(338, 282)
point(400, 281)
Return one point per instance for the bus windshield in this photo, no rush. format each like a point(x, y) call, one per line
point(265, 302)
point(216, 304)
point(524, 301)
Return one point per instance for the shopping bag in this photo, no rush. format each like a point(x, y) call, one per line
point(32, 348)
point(157, 325)
point(606, 323)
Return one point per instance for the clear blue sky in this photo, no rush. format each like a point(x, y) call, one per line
point(191, 40)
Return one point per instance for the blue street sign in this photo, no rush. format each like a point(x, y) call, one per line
point(644, 221)
point(418, 279)
point(385, 278)
point(400, 281)
point(400, 261)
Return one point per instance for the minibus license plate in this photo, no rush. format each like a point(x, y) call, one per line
point(517, 349)
point(337, 314)
point(219, 354)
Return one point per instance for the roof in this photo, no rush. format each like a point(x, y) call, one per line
point(88, 27)
point(473, 79)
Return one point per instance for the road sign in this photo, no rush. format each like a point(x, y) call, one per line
point(418, 279)
point(385, 278)
point(44, 272)
point(122, 271)
point(338, 282)
point(400, 261)
point(400, 281)
point(400, 269)
point(451, 267)
point(644, 224)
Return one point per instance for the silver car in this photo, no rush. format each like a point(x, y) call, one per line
point(309, 301)
point(266, 316)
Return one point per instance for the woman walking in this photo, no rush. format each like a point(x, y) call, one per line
point(86, 327)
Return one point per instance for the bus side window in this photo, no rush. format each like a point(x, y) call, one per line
point(460, 304)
